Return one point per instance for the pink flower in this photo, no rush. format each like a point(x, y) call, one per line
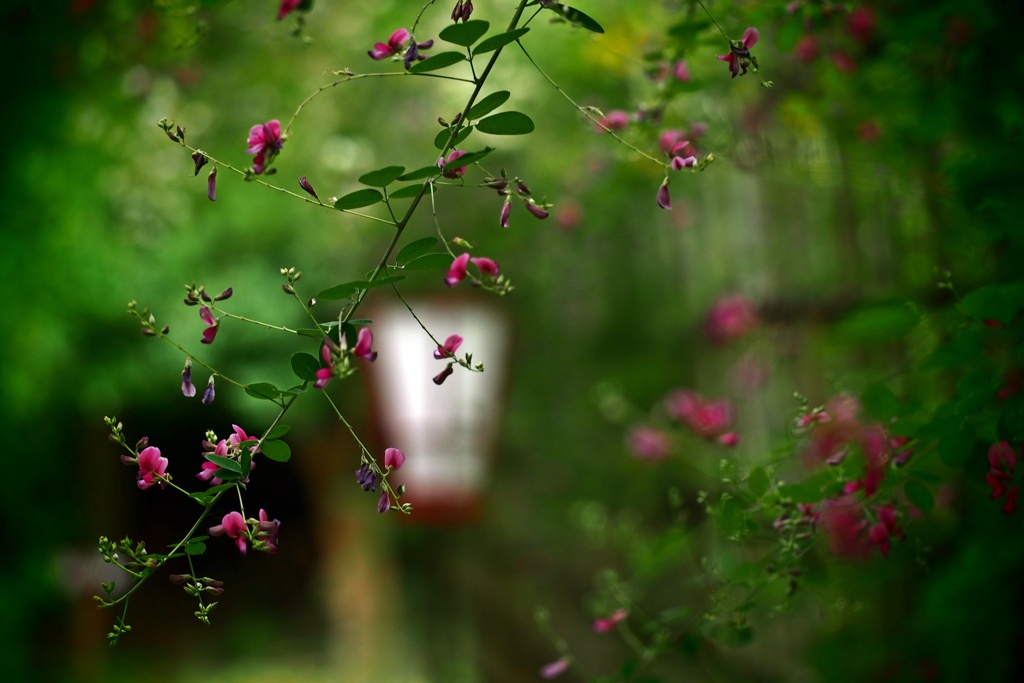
point(451, 345)
point(843, 61)
point(440, 377)
point(457, 271)
point(393, 458)
point(210, 333)
point(211, 185)
point(152, 468)
point(233, 524)
point(648, 443)
point(485, 265)
point(861, 24)
point(730, 317)
point(807, 49)
point(456, 172)
point(287, 7)
point(187, 388)
point(364, 341)
point(324, 375)
point(266, 533)
point(615, 120)
point(681, 71)
point(609, 622)
point(554, 669)
point(394, 45)
point(664, 198)
point(1002, 460)
point(506, 209)
point(844, 524)
point(739, 53)
point(265, 142)
point(730, 439)
point(707, 419)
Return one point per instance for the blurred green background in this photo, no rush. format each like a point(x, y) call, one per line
point(887, 153)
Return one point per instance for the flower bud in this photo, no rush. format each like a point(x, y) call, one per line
point(226, 294)
point(200, 160)
point(443, 375)
point(305, 185)
point(211, 185)
point(210, 392)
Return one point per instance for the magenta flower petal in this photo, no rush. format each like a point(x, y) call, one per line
point(506, 209)
point(485, 265)
point(393, 458)
point(750, 37)
point(363, 343)
point(457, 271)
point(451, 345)
point(554, 669)
point(664, 198)
point(207, 316)
point(287, 7)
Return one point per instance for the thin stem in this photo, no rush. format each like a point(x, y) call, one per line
point(712, 18)
point(587, 111)
point(242, 318)
point(199, 362)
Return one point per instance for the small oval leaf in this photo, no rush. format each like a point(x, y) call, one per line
point(265, 391)
point(575, 16)
point(382, 177)
point(488, 104)
point(304, 366)
point(472, 157)
point(421, 173)
point(276, 450)
point(342, 291)
point(195, 548)
point(464, 34)
point(438, 61)
point(500, 40)
point(381, 281)
point(407, 191)
point(414, 249)
point(358, 199)
point(506, 123)
point(223, 463)
point(441, 139)
point(278, 431)
point(437, 261)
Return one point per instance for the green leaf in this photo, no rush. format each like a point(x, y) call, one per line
point(995, 302)
point(506, 123)
point(382, 177)
point(488, 104)
point(382, 281)
point(305, 365)
point(265, 391)
point(441, 139)
point(420, 173)
point(919, 495)
point(502, 39)
point(358, 199)
point(472, 157)
point(439, 61)
point(758, 481)
point(276, 450)
point(414, 249)
point(195, 548)
point(407, 191)
point(278, 431)
point(573, 15)
point(342, 291)
point(226, 464)
point(437, 261)
point(464, 34)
